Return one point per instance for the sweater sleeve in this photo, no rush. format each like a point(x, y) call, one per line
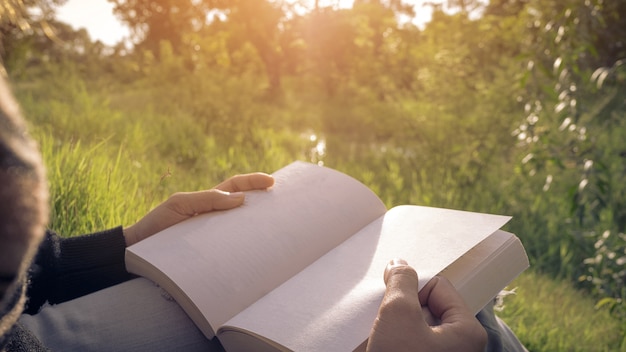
point(67, 268)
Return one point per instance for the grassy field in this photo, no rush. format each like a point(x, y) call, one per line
point(93, 189)
point(517, 111)
point(111, 158)
point(551, 315)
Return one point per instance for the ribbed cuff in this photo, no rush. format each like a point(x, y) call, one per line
point(90, 263)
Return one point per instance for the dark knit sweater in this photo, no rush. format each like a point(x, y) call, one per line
point(64, 269)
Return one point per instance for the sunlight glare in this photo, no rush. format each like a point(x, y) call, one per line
point(342, 4)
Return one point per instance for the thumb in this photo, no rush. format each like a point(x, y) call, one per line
point(401, 292)
point(399, 267)
point(399, 325)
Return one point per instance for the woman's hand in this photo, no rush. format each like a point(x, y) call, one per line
point(181, 206)
point(402, 324)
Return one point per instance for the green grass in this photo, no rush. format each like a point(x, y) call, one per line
point(91, 189)
point(96, 187)
point(551, 315)
point(109, 165)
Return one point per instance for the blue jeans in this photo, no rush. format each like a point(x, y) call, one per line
point(137, 315)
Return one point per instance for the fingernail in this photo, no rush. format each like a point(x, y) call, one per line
point(235, 195)
point(398, 262)
point(392, 264)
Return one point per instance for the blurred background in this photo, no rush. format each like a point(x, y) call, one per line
point(513, 107)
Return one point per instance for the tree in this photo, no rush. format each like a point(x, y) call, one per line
point(253, 21)
point(573, 132)
point(329, 47)
point(258, 22)
point(18, 18)
point(154, 21)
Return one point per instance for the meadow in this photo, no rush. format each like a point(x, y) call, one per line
point(110, 161)
point(506, 107)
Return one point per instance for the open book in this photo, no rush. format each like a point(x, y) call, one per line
point(300, 266)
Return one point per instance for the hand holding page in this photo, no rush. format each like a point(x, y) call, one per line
point(299, 267)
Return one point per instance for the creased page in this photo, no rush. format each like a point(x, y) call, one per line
point(332, 304)
point(225, 261)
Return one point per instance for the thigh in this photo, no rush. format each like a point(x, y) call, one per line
point(136, 315)
point(500, 336)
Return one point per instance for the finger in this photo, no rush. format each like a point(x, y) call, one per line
point(399, 321)
point(246, 182)
point(192, 203)
point(429, 318)
point(398, 274)
point(457, 323)
point(394, 263)
point(443, 300)
point(427, 315)
point(401, 294)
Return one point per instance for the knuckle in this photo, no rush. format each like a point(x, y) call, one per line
point(177, 202)
point(404, 270)
point(398, 304)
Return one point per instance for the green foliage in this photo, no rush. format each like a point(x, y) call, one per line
point(517, 111)
point(103, 161)
point(574, 136)
point(89, 190)
point(542, 308)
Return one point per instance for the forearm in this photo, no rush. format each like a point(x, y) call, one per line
point(66, 268)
